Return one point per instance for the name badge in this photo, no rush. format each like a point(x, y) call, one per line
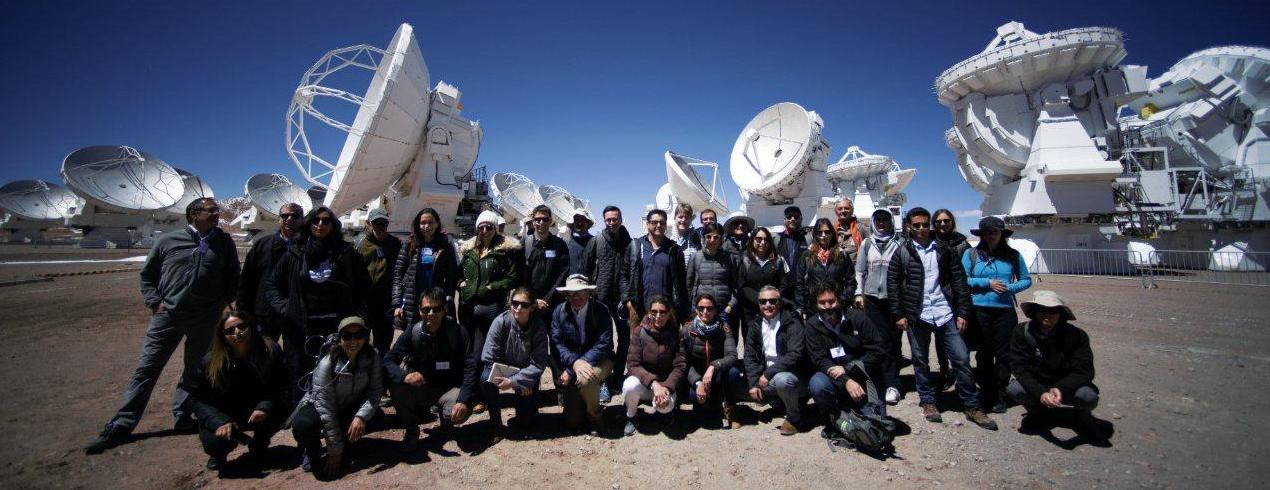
point(426, 251)
point(837, 352)
point(551, 254)
point(443, 365)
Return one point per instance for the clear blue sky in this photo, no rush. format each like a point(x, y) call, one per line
point(586, 95)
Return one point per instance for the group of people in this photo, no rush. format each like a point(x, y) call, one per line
point(302, 335)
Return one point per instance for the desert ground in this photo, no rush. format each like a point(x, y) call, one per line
point(1184, 372)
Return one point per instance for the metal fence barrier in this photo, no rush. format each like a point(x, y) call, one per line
point(1083, 262)
point(1199, 266)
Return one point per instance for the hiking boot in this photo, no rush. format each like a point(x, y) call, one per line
point(479, 408)
point(110, 437)
point(630, 428)
point(729, 418)
point(981, 419)
point(892, 396)
point(788, 428)
point(410, 441)
point(931, 413)
point(185, 425)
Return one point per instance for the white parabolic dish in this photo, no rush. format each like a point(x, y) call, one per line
point(122, 179)
point(515, 193)
point(385, 134)
point(774, 151)
point(195, 188)
point(559, 200)
point(688, 186)
point(268, 192)
point(856, 164)
point(37, 200)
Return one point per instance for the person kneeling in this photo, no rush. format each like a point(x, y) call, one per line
point(582, 334)
point(775, 359)
point(517, 344)
point(1053, 365)
point(240, 385)
point(346, 387)
point(654, 363)
point(709, 347)
point(844, 346)
point(431, 365)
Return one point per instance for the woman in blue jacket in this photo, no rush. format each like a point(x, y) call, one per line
point(995, 272)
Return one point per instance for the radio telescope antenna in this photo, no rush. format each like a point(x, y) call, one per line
point(688, 185)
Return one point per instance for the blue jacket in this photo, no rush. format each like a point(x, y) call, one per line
point(592, 342)
point(981, 270)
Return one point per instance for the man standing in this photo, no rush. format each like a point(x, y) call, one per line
point(608, 263)
point(850, 232)
point(579, 237)
point(658, 268)
point(431, 365)
point(793, 239)
point(775, 360)
point(708, 216)
point(684, 235)
point(546, 261)
point(379, 252)
point(265, 251)
point(188, 279)
point(928, 293)
point(582, 347)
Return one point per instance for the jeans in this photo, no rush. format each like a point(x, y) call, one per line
point(634, 392)
point(622, 337)
point(260, 435)
point(788, 389)
point(919, 333)
point(526, 406)
point(579, 399)
point(878, 312)
point(163, 333)
point(993, 330)
point(727, 386)
point(1085, 397)
point(832, 395)
point(408, 399)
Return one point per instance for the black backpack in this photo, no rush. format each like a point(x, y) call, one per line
point(864, 433)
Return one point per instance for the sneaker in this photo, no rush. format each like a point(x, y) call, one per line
point(981, 419)
point(185, 425)
point(605, 396)
point(306, 464)
point(892, 396)
point(788, 429)
point(931, 413)
point(629, 430)
point(1001, 407)
point(410, 441)
point(109, 437)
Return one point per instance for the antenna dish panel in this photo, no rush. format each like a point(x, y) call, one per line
point(897, 180)
point(776, 149)
point(687, 185)
point(665, 199)
point(122, 179)
point(387, 131)
point(195, 188)
point(856, 164)
point(559, 200)
point(268, 192)
point(38, 200)
point(515, 193)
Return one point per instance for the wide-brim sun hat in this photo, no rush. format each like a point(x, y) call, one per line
point(575, 283)
point(992, 223)
point(735, 218)
point(1046, 299)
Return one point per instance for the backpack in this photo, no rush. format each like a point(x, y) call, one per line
point(864, 433)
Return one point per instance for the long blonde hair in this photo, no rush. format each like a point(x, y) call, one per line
point(260, 355)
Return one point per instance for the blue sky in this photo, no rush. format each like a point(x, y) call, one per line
point(585, 95)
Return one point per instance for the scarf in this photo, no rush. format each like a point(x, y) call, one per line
point(823, 255)
point(702, 329)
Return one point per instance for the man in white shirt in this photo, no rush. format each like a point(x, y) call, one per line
point(775, 359)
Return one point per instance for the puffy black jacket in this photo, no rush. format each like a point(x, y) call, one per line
point(445, 275)
point(857, 338)
point(840, 271)
point(955, 242)
point(717, 348)
point(1063, 359)
point(243, 389)
point(546, 266)
point(608, 265)
point(906, 277)
point(715, 275)
point(753, 277)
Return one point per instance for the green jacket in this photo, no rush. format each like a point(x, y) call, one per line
point(488, 279)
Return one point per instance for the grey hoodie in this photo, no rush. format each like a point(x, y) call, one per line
point(872, 261)
point(187, 278)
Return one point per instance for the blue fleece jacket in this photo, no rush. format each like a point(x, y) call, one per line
point(980, 271)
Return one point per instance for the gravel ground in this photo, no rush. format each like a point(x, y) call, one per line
point(1184, 371)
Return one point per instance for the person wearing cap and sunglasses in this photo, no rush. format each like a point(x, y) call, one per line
point(491, 264)
point(187, 280)
point(517, 339)
point(379, 251)
point(315, 284)
point(1053, 367)
point(582, 351)
point(267, 250)
point(347, 384)
point(929, 297)
point(995, 272)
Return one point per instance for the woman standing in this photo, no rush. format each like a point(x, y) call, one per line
point(824, 261)
point(870, 294)
point(240, 385)
point(713, 271)
point(428, 260)
point(761, 266)
point(709, 348)
point(315, 284)
point(655, 363)
point(491, 265)
point(995, 272)
point(347, 384)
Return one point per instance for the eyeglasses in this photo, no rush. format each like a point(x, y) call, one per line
point(769, 301)
point(824, 232)
point(484, 227)
point(288, 216)
point(431, 310)
point(656, 222)
point(520, 305)
point(324, 220)
point(541, 220)
point(943, 221)
point(658, 313)
point(919, 226)
point(704, 309)
point(230, 329)
point(354, 335)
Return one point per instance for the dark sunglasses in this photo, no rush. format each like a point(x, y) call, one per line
point(943, 221)
point(520, 305)
point(705, 308)
point(485, 227)
point(431, 310)
point(919, 226)
point(234, 328)
point(769, 301)
point(1048, 310)
point(287, 216)
point(824, 232)
point(325, 220)
point(657, 222)
point(379, 223)
point(541, 220)
point(360, 334)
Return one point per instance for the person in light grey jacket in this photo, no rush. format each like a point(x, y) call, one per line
point(344, 396)
point(518, 339)
point(870, 294)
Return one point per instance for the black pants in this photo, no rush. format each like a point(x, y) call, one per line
point(301, 349)
point(380, 324)
point(878, 310)
point(260, 435)
point(307, 429)
point(993, 330)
